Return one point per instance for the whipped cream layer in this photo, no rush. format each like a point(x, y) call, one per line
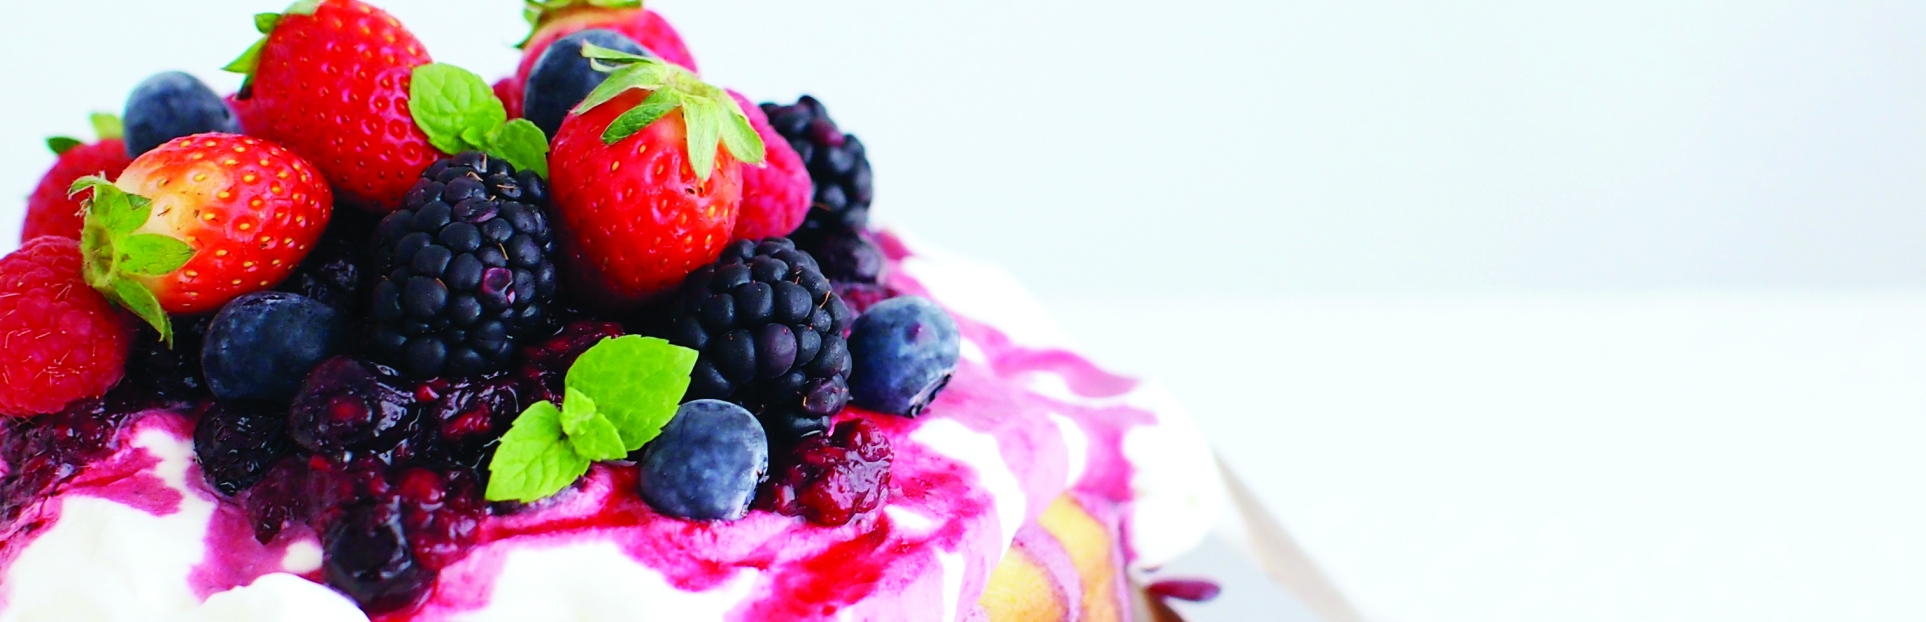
point(139, 536)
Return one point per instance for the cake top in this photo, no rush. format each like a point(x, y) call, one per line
point(423, 325)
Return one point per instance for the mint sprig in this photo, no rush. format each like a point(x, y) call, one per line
point(265, 24)
point(713, 118)
point(106, 126)
point(617, 397)
point(115, 258)
point(459, 112)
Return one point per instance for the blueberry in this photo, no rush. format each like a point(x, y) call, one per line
point(904, 352)
point(171, 105)
point(367, 557)
point(562, 78)
point(261, 345)
point(707, 462)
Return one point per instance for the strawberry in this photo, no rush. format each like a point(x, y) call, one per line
point(646, 183)
point(199, 221)
point(49, 210)
point(775, 196)
point(330, 81)
point(554, 19)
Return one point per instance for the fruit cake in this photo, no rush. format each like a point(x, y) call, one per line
point(370, 339)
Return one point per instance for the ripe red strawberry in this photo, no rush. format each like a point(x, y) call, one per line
point(554, 19)
point(49, 210)
point(775, 195)
point(330, 81)
point(645, 183)
point(199, 221)
point(64, 341)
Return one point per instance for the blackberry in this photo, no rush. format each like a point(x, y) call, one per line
point(770, 329)
point(346, 405)
point(335, 272)
point(837, 164)
point(463, 269)
point(237, 443)
point(847, 256)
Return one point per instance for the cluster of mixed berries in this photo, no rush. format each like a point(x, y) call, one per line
point(362, 299)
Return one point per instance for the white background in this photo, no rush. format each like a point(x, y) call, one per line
point(1515, 311)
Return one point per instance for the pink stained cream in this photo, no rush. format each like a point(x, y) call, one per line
point(895, 563)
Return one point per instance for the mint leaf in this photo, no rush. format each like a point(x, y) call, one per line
point(522, 144)
point(534, 460)
point(142, 303)
point(589, 432)
point(60, 145)
point(636, 382)
point(152, 254)
point(453, 107)
point(107, 126)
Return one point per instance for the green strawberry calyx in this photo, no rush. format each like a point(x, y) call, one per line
point(106, 127)
point(616, 399)
point(540, 12)
point(265, 24)
point(114, 257)
point(459, 112)
point(712, 116)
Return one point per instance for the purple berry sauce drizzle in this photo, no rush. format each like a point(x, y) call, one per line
point(810, 571)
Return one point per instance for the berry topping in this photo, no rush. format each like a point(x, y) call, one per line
point(346, 405)
point(775, 196)
point(463, 269)
point(830, 479)
point(619, 394)
point(200, 220)
point(50, 209)
point(770, 329)
point(237, 443)
point(367, 556)
point(330, 80)
point(707, 462)
point(646, 180)
point(1193, 590)
point(261, 345)
point(44, 452)
point(64, 341)
point(837, 163)
point(173, 105)
point(848, 256)
point(441, 515)
point(562, 77)
point(905, 350)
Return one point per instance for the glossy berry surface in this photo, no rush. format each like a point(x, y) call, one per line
point(848, 256)
point(904, 350)
point(345, 404)
point(440, 515)
point(63, 340)
point(831, 479)
point(561, 77)
point(769, 328)
point(261, 345)
point(707, 462)
point(173, 105)
point(236, 444)
point(838, 165)
point(45, 452)
point(367, 556)
point(333, 86)
point(50, 209)
point(463, 269)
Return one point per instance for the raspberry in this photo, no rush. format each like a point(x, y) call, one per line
point(832, 478)
point(770, 330)
point(237, 443)
point(440, 515)
point(463, 269)
point(64, 341)
point(775, 196)
point(837, 163)
point(50, 211)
